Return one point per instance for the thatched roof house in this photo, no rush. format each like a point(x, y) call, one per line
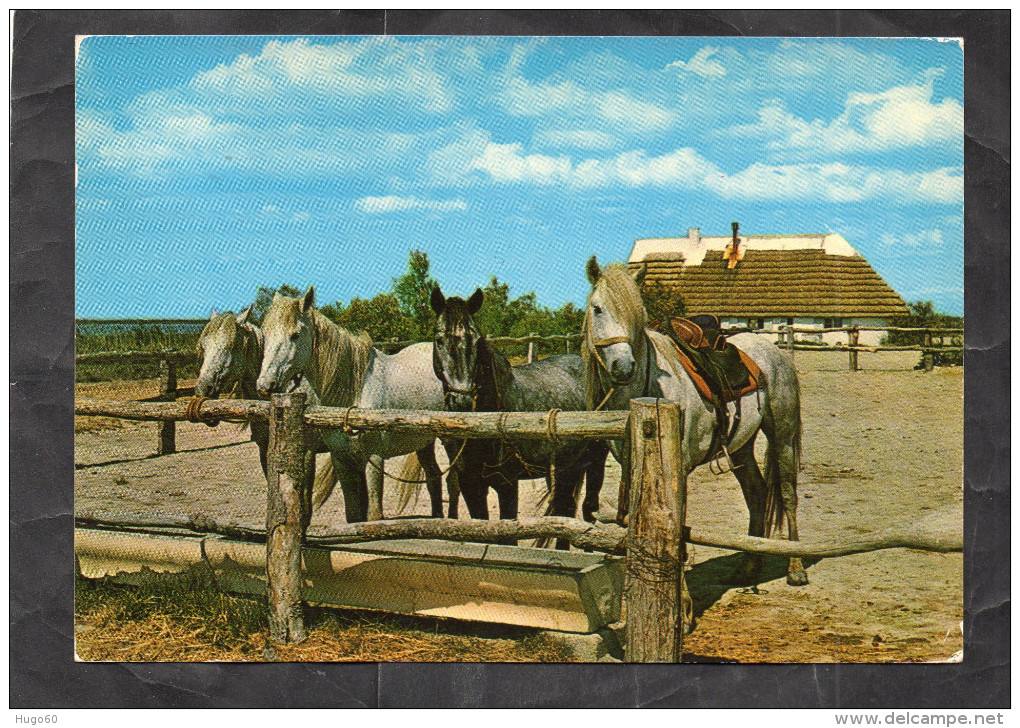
point(771, 280)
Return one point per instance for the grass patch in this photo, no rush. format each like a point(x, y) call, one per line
point(186, 618)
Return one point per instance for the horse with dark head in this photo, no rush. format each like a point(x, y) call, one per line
point(475, 376)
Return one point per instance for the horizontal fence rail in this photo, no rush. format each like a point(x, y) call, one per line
point(931, 534)
point(581, 425)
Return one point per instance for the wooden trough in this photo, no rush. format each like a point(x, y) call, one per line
point(527, 587)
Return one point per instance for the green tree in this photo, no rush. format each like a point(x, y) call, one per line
point(380, 317)
point(264, 298)
point(661, 302)
point(412, 290)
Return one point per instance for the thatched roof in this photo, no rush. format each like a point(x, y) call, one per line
point(776, 283)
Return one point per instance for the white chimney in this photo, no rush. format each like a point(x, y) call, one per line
point(694, 236)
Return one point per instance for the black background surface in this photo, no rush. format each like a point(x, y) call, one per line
point(43, 673)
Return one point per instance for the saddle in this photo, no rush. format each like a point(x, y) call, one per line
point(719, 370)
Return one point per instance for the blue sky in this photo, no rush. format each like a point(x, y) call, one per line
point(209, 165)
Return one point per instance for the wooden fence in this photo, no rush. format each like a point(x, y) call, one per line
point(170, 361)
point(654, 540)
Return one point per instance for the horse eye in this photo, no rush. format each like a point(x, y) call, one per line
point(439, 340)
point(295, 336)
point(596, 309)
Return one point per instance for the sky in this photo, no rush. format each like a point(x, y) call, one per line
point(210, 165)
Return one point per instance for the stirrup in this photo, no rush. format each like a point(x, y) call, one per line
point(721, 464)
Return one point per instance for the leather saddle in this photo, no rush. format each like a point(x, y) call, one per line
point(721, 372)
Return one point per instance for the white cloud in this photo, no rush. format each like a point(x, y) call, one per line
point(701, 64)
point(682, 168)
point(840, 183)
point(508, 163)
point(568, 99)
point(394, 203)
point(575, 138)
point(687, 169)
point(900, 117)
point(338, 72)
point(922, 238)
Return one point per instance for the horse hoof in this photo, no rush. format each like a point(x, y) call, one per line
point(797, 578)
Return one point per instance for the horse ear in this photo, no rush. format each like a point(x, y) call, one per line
point(212, 314)
point(242, 318)
point(475, 302)
point(308, 300)
point(276, 296)
point(438, 301)
point(640, 273)
point(593, 270)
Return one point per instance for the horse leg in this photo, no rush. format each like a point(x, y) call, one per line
point(433, 477)
point(352, 482)
point(564, 498)
point(752, 483)
point(506, 492)
point(374, 489)
point(260, 436)
point(623, 497)
point(309, 485)
point(453, 492)
point(787, 467)
point(594, 475)
point(474, 488)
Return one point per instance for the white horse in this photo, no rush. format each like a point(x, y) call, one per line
point(344, 370)
point(624, 360)
point(230, 349)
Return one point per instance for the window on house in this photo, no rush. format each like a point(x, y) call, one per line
point(756, 323)
point(828, 324)
point(789, 321)
point(837, 323)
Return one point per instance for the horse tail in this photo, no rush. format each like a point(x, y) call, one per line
point(775, 510)
point(411, 471)
point(325, 481)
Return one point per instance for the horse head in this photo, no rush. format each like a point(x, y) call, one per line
point(288, 334)
point(222, 351)
point(615, 320)
point(457, 348)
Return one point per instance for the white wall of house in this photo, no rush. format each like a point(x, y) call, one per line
point(865, 338)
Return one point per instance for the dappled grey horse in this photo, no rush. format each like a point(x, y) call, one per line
point(624, 359)
point(230, 351)
point(477, 377)
point(345, 370)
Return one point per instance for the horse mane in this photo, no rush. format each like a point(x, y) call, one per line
point(342, 358)
point(217, 322)
point(624, 297)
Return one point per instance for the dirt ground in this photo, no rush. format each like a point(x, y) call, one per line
point(881, 446)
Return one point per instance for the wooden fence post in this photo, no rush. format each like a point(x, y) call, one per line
point(287, 514)
point(166, 432)
point(531, 348)
point(790, 341)
point(927, 355)
point(853, 337)
point(653, 585)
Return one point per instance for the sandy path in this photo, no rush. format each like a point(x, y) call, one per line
point(881, 446)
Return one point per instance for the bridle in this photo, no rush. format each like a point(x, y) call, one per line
point(472, 391)
point(593, 347)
